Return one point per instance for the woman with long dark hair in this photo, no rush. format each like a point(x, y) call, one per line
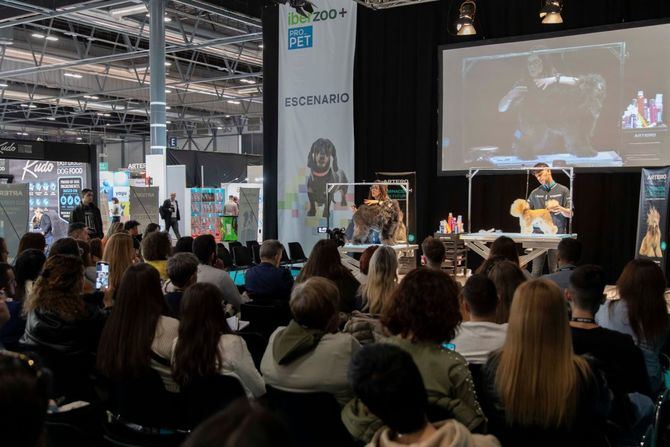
point(138, 335)
point(641, 312)
point(507, 276)
point(536, 391)
point(325, 261)
point(207, 346)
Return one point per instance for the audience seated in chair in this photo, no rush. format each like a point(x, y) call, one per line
point(241, 424)
point(506, 277)
point(325, 261)
point(434, 252)
point(641, 312)
point(183, 245)
point(29, 241)
point(268, 281)
point(24, 396)
point(309, 355)
point(503, 247)
point(481, 335)
point(182, 269)
point(120, 255)
point(364, 264)
point(138, 335)
point(204, 247)
point(13, 323)
point(207, 346)
point(156, 249)
point(422, 317)
point(387, 381)
point(536, 390)
point(620, 360)
point(568, 255)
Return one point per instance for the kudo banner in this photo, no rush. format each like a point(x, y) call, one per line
point(652, 215)
point(316, 128)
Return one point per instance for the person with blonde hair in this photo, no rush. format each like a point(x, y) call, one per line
point(382, 280)
point(536, 391)
point(114, 227)
point(120, 255)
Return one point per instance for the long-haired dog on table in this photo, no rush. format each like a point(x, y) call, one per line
point(529, 218)
point(651, 244)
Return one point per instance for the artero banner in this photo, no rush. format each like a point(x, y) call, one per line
point(652, 216)
point(315, 143)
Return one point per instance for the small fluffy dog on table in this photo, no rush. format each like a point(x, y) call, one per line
point(651, 244)
point(529, 218)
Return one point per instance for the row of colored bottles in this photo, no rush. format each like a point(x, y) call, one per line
point(643, 112)
point(451, 225)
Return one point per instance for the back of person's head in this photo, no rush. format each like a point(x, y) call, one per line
point(150, 228)
point(65, 246)
point(31, 241)
point(85, 253)
point(242, 424)
point(120, 254)
point(131, 224)
point(224, 255)
point(505, 247)
point(324, 261)
point(24, 397)
point(388, 382)
point(4, 251)
point(114, 227)
point(181, 268)
point(424, 307)
point(538, 377)
point(184, 245)
point(480, 294)
point(125, 344)
point(587, 287)
point(27, 267)
point(314, 303)
point(642, 287)
point(75, 228)
point(95, 245)
point(6, 277)
point(202, 321)
point(59, 287)
point(204, 247)
point(570, 251)
point(382, 279)
point(270, 248)
point(364, 261)
point(156, 246)
point(433, 249)
point(506, 276)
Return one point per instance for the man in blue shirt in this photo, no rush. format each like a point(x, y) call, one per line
point(550, 190)
point(267, 281)
point(569, 253)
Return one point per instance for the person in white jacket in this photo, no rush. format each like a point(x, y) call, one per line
point(207, 346)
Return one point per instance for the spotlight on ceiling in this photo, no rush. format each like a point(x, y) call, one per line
point(551, 12)
point(465, 25)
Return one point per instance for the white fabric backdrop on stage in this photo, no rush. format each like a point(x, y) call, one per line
point(316, 128)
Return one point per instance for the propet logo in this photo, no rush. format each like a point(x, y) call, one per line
point(300, 37)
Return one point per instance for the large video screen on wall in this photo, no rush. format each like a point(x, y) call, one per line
point(589, 100)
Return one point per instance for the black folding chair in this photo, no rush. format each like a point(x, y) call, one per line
point(256, 253)
point(296, 252)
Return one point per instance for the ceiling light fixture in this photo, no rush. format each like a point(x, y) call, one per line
point(465, 25)
point(231, 101)
point(73, 75)
point(247, 81)
point(38, 35)
point(91, 97)
point(3, 85)
point(168, 91)
point(51, 118)
point(551, 12)
point(31, 106)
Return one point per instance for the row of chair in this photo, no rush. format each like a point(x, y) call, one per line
point(245, 257)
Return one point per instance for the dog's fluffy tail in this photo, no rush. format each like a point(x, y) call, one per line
point(518, 207)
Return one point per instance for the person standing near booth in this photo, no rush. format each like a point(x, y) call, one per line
point(550, 190)
point(41, 223)
point(88, 213)
point(170, 214)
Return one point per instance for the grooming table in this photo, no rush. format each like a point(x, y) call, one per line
point(360, 248)
point(537, 242)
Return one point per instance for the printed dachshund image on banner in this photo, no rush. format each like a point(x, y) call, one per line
point(315, 138)
point(652, 215)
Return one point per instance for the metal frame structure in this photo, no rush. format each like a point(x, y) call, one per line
point(386, 4)
point(81, 72)
point(472, 172)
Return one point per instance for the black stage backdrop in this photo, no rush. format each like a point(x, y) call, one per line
point(395, 114)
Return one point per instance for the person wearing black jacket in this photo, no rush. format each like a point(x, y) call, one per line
point(41, 223)
point(169, 212)
point(88, 213)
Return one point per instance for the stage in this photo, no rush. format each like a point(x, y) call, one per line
point(539, 243)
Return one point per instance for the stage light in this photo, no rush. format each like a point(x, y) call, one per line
point(465, 25)
point(551, 12)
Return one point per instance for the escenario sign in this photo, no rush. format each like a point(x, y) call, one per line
point(21, 149)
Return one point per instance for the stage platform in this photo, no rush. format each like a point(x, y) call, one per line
point(538, 243)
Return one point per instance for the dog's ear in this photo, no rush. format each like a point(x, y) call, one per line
point(311, 158)
point(334, 152)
